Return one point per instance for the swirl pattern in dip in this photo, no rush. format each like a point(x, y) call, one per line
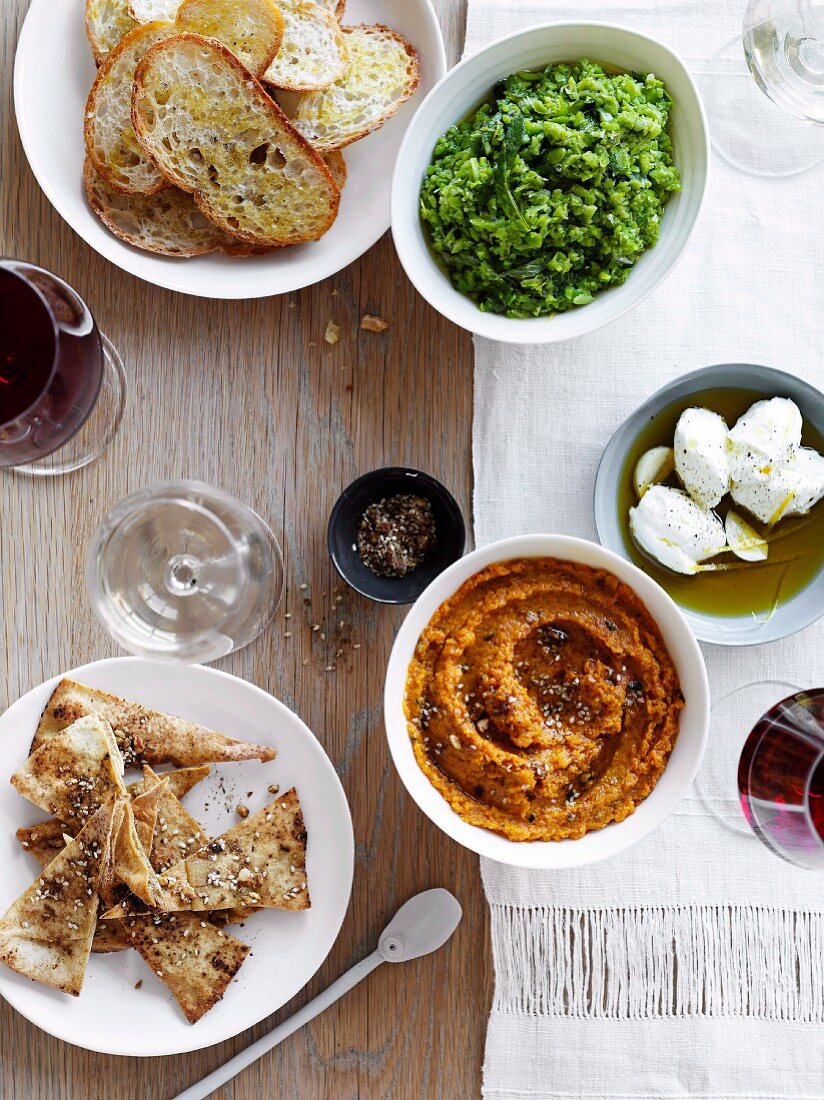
point(541, 700)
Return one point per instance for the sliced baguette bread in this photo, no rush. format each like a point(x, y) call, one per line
point(313, 52)
point(110, 141)
point(337, 167)
point(213, 131)
point(148, 11)
point(335, 6)
point(107, 21)
point(251, 29)
point(382, 74)
point(168, 223)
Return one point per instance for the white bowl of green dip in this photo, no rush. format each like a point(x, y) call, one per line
point(564, 202)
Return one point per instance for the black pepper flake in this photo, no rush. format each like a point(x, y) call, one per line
point(396, 534)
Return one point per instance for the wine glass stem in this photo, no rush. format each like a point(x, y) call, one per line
point(183, 574)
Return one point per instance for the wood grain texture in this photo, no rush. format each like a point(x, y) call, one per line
point(248, 396)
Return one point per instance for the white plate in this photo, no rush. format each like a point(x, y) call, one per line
point(53, 72)
point(110, 1015)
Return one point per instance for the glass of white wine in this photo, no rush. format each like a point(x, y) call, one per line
point(184, 572)
point(765, 101)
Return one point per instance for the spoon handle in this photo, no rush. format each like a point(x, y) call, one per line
point(336, 990)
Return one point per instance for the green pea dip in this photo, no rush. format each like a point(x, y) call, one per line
point(552, 189)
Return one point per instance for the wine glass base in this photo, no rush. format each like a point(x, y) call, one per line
point(98, 431)
point(731, 720)
point(750, 132)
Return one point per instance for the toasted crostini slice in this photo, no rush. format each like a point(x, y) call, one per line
point(212, 130)
point(382, 74)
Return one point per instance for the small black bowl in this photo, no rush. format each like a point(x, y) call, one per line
point(345, 521)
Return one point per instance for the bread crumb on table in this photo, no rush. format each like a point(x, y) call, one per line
point(373, 324)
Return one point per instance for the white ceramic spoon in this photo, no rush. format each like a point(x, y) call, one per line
point(419, 927)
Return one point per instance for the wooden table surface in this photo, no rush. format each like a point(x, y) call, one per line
point(248, 396)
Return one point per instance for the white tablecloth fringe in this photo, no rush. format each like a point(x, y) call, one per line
point(659, 961)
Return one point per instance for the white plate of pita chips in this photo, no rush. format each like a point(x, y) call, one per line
point(177, 853)
point(223, 148)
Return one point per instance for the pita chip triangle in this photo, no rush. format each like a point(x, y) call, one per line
point(176, 833)
point(75, 773)
point(44, 841)
point(107, 886)
point(144, 808)
point(46, 935)
point(143, 735)
point(180, 781)
point(193, 958)
point(129, 866)
point(260, 862)
point(109, 936)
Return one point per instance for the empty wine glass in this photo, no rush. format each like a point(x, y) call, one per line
point(764, 91)
point(62, 385)
point(182, 571)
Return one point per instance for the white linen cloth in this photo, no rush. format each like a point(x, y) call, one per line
point(693, 965)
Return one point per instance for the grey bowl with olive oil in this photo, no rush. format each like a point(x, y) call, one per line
point(740, 603)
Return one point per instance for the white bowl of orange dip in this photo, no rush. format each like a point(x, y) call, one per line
point(558, 708)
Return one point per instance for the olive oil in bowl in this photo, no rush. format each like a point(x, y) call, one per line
point(796, 544)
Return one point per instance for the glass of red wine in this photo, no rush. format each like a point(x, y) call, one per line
point(62, 385)
point(781, 779)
